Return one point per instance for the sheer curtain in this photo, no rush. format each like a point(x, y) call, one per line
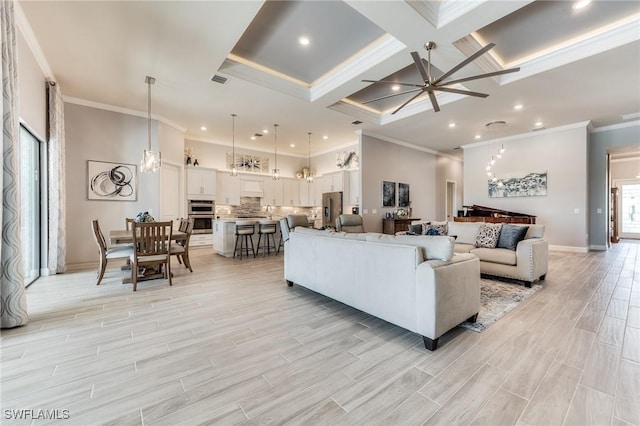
point(13, 303)
point(56, 181)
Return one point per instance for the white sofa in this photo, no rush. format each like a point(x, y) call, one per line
point(417, 283)
point(527, 264)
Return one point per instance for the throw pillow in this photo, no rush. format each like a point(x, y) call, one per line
point(511, 235)
point(415, 229)
point(441, 229)
point(488, 235)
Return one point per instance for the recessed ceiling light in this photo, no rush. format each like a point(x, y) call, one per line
point(518, 107)
point(477, 136)
point(579, 4)
point(293, 145)
point(325, 137)
point(395, 87)
point(304, 40)
point(203, 128)
point(452, 125)
point(265, 131)
point(538, 123)
point(253, 138)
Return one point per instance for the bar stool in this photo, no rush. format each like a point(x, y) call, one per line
point(244, 233)
point(268, 229)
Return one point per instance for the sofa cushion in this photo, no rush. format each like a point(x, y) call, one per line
point(488, 235)
point(416, 229)
point(433, 247)
point(534, 231)
point(463, 248)
point(496, 255)
point(465, 232)
point(511, 235)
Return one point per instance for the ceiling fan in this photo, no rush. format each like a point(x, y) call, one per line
point(432, 84)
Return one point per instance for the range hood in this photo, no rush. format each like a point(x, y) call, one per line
point(251, 188)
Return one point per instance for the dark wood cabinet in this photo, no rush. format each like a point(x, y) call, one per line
point(391, 226)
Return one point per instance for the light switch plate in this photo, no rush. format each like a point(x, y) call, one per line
point(365, 211)
point(374, 211)
point(576, 210)
point(599, 211)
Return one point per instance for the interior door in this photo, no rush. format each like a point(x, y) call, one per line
point(170, 205)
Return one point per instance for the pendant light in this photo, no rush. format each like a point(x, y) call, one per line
point(275, 173)
point(310, 175)
point(234, 168)
point(151, 160)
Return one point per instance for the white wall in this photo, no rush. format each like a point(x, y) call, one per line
point(326, 163)
point(385, 161)
point(171, 142)
point(625, 169)
point(562, 153)
point(96, 134)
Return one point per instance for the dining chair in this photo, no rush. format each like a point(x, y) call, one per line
point(152, 248)
point(116, 252)
point(129, 221)
point(181, 249)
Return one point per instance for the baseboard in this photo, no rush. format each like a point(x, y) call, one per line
point(81, 266)
point(594, 247)
point(571, 249)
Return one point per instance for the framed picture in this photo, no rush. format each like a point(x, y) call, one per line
point(388, 194)
point(112, 181)
point(532, 185)
point(403, 195)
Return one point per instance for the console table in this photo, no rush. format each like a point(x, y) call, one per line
point(391, 226)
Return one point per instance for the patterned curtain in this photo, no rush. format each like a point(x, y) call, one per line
point(56, 261)
point(13, 303)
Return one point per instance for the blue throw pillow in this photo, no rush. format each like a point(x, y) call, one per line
point(511, 235)
point(432, 231)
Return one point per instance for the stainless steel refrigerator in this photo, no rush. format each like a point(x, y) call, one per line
point(331, 208)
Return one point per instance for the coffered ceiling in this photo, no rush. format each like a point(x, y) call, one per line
point(576, 65)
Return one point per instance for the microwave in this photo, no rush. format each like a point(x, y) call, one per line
point(201, 207)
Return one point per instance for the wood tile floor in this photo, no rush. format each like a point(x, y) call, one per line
point(232, 344)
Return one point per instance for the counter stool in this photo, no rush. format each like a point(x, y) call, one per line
point(268, 229)
point(244, 232)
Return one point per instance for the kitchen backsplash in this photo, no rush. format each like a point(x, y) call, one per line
point(250, 207)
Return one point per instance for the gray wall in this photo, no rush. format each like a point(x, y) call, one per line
point(96, 134)
point(602, 140)
point(326, 163)
point(562, 153)
point(380, 161)
point(32, 99)
point(448, 169)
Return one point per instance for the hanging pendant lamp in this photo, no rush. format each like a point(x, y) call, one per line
point(234, 168)
point(275, 173)
point(151, 160)
point(310, 175)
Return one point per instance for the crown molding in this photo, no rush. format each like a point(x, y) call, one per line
point(122, 110)
point(616, 126)
point(582, 124)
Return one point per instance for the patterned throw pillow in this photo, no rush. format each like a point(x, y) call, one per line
point(488, 235)
point(415, 229)
point(431, 229)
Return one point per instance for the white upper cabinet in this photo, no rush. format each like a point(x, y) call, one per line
point(201, 183)
point(273, 195)
point(354, 187)
point(336, 182)
point(291, 192)
point(228, 189)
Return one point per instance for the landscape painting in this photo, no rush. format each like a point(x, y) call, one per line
point(532, 185)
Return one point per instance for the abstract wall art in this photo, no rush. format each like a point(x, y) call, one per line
point(532, 185)
point(111, 181)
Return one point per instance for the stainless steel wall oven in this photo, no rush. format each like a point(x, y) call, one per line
point(203, 213)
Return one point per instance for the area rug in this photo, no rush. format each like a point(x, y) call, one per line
point(497, 299)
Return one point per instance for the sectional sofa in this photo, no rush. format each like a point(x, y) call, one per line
point(415, 282)
point(524, 260)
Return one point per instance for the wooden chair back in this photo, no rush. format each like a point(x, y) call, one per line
point(129, 221)
point(99, 238)
point(152, 238)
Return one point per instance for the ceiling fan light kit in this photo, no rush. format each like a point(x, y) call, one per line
point(432, 84)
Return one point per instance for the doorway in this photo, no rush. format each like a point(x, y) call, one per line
point(30, 206)
point(629, 211)
point(450, 201)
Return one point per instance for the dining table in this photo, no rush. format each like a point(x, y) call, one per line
point(125, 236)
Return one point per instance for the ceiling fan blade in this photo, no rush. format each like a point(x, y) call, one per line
point(461, 92)
point(390, 96)
point(434, 101)
point(405, 104)
point(465, 62)
point(421, 69)
point(475, 77)
point(392, 82)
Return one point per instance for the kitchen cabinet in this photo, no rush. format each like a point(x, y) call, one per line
point(227, 189)
point(354, 187)
point(290, 192)
point(308, 194)
point(336, 182)
point(201, 183)
point(391, 226)
point(273, 192)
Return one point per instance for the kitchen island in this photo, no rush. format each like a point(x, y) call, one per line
point(224, 238)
